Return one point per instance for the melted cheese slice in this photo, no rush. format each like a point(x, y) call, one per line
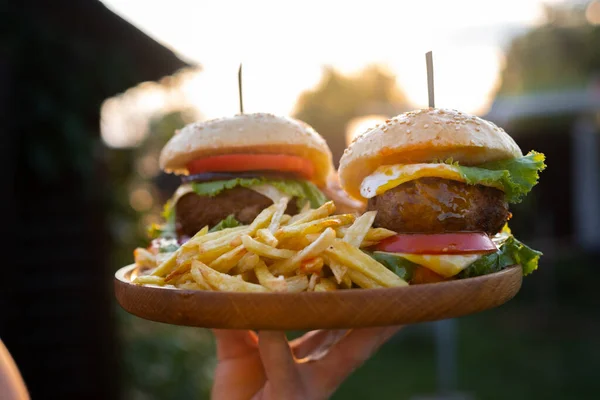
point(387, 177)
point(445, 265)
point(269, 191)
point(266, 190)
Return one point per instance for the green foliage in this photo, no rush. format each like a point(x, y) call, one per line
point(163, 361)
point(560, 54)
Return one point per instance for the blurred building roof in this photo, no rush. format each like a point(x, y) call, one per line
point(93, 21)
point(508, 109)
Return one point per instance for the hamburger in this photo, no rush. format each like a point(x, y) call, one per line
point(443, 181)
point(232, 168)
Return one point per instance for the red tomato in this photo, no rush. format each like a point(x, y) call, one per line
point(438, 243)
point(252, 162)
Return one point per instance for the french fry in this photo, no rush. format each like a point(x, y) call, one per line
point(311, 266)
point(275, 252)
point(168, 265)
point(374, 235)
point(224, 282)
point(144, 259)
point(187, 277)
point(247, 263)
point(312, 282)
point(346, 282)
point(228, 260)
point(362, 280)
point(305, 207)
point(378, 234)
point(207, 257)
point(190, 286)
point(178, 272)
point(302, 217)
point(199, 279)
point(339, 270)
point(263, 219)
point(288, 265)
point(296, 242)
point(311, 237)
point(358, 230)
point(279, 210)
point(326, 285)
point(265, 250)
point(314, 226)
point(188, 248)
point(268, 280)
point(266, 236)
point(199, 239)
point(298, 283)
point(149, 280)
point(224, 240)
point(355, 259)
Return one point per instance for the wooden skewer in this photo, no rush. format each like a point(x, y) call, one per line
point(429, 62)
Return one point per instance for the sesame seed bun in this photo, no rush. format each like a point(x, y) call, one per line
point(247, 133)
point(424, 136)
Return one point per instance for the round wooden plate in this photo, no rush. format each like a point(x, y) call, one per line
point(343, 309)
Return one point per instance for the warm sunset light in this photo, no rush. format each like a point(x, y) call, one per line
point(359, 125)
point(283, 56)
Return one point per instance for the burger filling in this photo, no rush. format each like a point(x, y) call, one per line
point(436, 205)
point(194, 211)
point(224, 200)
point(451, 219)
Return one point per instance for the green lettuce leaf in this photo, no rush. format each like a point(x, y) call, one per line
point(511, 252)
point(398, 265)
point(516, 176)
point(229, 222)
point(167, 229)
point(303, 190)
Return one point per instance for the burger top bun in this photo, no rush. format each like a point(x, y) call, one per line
point(423, 136)
point(247, 133)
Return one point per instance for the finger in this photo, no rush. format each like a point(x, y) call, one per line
point(279, 364)
point(314, 345)
point(234, 343)
point(347, 355)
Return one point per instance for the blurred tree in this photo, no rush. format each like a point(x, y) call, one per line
point(339, 98)
point(136, 171)
point(59, 61)
point(561, 53)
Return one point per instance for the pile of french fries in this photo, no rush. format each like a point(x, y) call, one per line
point(314, 250)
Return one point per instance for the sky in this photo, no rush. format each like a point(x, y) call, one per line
point(284, 45)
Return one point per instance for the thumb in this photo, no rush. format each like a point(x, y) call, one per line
point(283, 379)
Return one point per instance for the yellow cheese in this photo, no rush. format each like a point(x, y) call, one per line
point(444, 264)
point(387, 177)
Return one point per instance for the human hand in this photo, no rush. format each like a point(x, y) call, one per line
point(12, 386)
point(311, 367)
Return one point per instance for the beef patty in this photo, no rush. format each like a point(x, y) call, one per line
point(435, 205)
point(193, 211)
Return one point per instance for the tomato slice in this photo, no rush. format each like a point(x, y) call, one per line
point(253, 162)
point(439, 243)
